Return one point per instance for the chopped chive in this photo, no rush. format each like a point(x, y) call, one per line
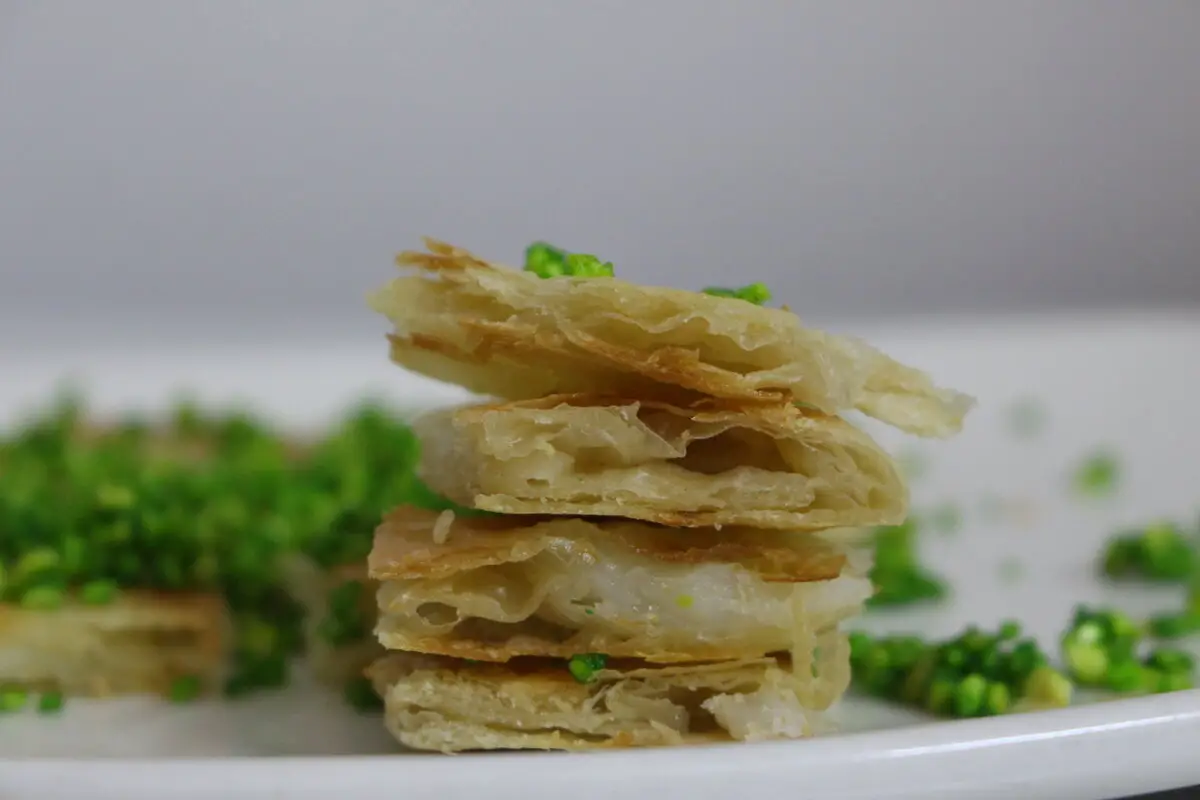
point(684, 601)
point(972, 674)
point(898, 577)
point(1174, 626)
point(1097, 475)
point(50, 703)
point(1101, 649)
point(756, 293)
point(42, 598)
point(1158, 552)
point(547, 261)
point(12, 698)
point(581, 265)
point(583, 667)
point(969, 695)
point(98, 592)
point(114, 497)
point(1048, 687)
point(36, 561)
point(185, 689)
point(361, 696)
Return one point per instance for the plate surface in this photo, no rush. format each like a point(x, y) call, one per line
point(1025, 550)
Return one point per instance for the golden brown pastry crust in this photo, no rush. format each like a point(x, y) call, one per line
point(507, 333)
point(504, 587)
point(451, 706)
point(139, 643)
point(711, 464)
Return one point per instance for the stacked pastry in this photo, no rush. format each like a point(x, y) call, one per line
point(671, 499)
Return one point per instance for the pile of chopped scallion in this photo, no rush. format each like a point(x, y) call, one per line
point(971, 675)
point(977, 674)
point(198, 502)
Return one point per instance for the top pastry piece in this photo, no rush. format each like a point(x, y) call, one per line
point(507, 333)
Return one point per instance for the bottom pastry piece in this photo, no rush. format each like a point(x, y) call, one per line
point(140, 642)
point(452, 705)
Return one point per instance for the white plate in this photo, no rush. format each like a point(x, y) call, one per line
point(1124, 382)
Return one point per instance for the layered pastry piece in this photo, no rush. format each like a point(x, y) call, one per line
point(507, 333)
point(495, 588)
point(711, 464)
point(447, 705)
point(140, 642)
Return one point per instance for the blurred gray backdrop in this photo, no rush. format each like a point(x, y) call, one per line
point(247, 169)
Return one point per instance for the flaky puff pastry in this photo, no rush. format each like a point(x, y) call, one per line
point(496, 588)
point(447, 705)
point(507, 333)
point(710, 464)
point(139, 643)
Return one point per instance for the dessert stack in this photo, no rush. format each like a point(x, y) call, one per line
point(660, 519)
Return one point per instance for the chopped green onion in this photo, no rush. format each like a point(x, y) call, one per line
point(1173, 682)
point(898, 578)
point(36, 561)
point(12, 698)
point(581, 265)
point(185, 689)
point(756, 293)
point(972, 674)
point(50, 703)
point(1158, 552)
point(1097, 475)
point(42, 598)
point(997, 699)
point(99, 592)
point(117, 498)
point(545, 261)
point(583, 667)
point(969, 696)
point(1101, 649)
point(1047, 687)
point(360, 695)
point(1174, 626)
point(345, 622)
point(684, 601)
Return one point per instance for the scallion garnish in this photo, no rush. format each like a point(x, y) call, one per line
point(756, 293)
point(1097, 475)
point(583, 667)
point(547, 261)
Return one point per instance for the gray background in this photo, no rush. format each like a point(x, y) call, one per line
point(239, 168)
